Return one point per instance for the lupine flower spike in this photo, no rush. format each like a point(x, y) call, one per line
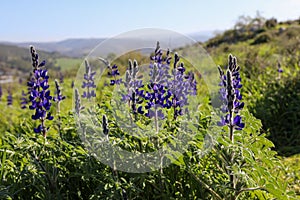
point(58, 97)
point(181, 86)
point(88, 82)
point(133, 82)
point(61, 78)
point(113, 72)
point(105, 125)
point(40, 97)
point(0, 92)
point(9, 98)
point(279, 69)
point(162, 92)
point(78, 106)
point(24, 100)
point(231, 96)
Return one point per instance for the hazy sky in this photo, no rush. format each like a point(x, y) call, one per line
point(29, 20)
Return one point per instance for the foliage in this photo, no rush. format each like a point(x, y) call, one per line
point(262, 38)
point(239, 164)
point(271, 23)
point(269, 93)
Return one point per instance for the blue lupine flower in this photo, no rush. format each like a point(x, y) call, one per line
point(39, 93)
point(78, 106)
point(231, 96)
point(61, 78)
point(40, 97)
point(182, 86)
point(159, 67)
point(279, 69)
point(166, 90)
point(24, 100)
point(113, 73)
point(9, 98)
point(59, 97)
point(105, 125)
point(1, 92)
point(157, 97)
point(133, 83)
point(88, 82)
point(237, 122)
point(163, 91)
point(157, 94)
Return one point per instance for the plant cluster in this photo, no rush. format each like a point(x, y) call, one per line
point(55, 165)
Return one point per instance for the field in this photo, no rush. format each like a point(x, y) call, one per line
point(166, 130)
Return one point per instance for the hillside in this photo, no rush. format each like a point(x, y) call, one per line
point(16, 60)
point(69, 47)
point(269, 55)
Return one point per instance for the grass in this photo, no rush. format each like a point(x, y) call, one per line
point(292, 166)
point(69, 63)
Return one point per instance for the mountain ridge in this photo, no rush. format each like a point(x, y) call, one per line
point(80, 47)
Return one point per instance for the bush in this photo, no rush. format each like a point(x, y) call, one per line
point(271, 23)
point(262, 38)
point(280, 113)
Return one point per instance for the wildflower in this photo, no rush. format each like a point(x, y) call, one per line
point(39, 97)
point(9, 98)
point(159, 67)
point(231, 96)
point(157, 98)
point(61, 78)
point(105, 125)
point(279, 69)
point(1, 92)
point(59, 97)
point(78, 106)
point(181, 86)
point(88, 82)
point(113, 73)
point(133, 83)
point(24, 100)
point(166, 90)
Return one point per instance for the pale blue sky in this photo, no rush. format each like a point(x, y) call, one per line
point(57, 19)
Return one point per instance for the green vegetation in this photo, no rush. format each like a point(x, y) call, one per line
point(261, 162)
point(68, 64)
point(272, 96)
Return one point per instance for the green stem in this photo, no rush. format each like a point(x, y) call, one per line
point(231, 137)
point(215, 194)
point(248, 189)
point(156, 121)
point(59, 119)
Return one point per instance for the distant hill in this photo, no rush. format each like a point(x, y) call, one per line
point(82, 47)
point(15, 57)
point(17, 60)
point(69, 47)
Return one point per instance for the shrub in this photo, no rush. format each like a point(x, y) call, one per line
point(262, 38)
point(271, 23)
point(280, 113)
